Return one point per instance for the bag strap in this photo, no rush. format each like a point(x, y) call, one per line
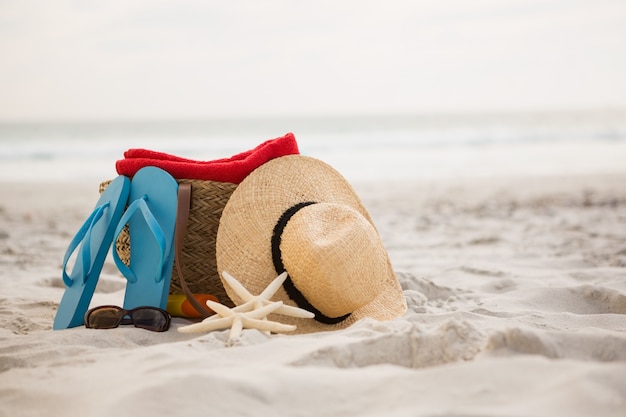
point(182, 216)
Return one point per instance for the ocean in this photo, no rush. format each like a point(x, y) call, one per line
point(377, 147)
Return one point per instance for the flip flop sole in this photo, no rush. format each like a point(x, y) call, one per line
point(95, 238)
point(151, 238)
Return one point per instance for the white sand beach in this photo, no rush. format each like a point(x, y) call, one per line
point(516, 288)
point(486, 139)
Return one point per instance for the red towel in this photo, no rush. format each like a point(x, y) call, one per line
point(233, 169)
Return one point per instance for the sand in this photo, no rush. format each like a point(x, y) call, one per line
point(516, 289)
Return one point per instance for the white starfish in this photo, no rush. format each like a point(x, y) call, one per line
point(226, 317)
point(252, 302)
point(252, 314)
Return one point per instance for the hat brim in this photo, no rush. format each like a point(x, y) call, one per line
point(243, 243)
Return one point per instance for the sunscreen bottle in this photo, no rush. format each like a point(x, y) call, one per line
point(179, 306)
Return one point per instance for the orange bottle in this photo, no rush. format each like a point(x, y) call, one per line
point(179, 306)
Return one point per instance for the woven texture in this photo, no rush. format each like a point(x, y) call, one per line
point(319, 242)
point(198, 259)
point(244, 247)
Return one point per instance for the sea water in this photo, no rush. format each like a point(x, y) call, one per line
point(378, 147)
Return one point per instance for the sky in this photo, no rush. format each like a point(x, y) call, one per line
point(86, 60)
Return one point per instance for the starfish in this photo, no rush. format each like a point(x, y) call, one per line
point(226, 317)
point(252, 302)
point(252, 314)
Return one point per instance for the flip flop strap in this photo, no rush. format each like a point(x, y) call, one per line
point(140, 206)
point(83, 235)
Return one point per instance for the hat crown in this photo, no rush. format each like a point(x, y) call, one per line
point(334, 258)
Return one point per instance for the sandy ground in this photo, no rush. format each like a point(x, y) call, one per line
point(516, 290)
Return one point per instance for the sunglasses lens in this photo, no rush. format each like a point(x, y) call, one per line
point(104, 318)
point(151, 319)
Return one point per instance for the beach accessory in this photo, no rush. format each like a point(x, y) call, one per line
point(151, 217)
point(145, 317)
point(299, 215)
point(204, 200)
point(252, 314)
point(178, 305)
point(230, 170)
point(95, 237)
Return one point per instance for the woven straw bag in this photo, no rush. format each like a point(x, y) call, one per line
point(197, 260)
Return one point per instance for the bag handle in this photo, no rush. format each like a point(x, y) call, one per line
point(182, 216)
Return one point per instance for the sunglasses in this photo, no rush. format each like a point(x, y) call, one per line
point(110, 317)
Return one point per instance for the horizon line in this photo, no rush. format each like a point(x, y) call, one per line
point(403, 115)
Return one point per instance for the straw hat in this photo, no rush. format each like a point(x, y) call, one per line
point(298, 214)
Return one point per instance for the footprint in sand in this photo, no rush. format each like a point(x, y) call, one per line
point(399, 343)
point(583, 299)
point(555, 344)
point(426, 287)
point(22, 318)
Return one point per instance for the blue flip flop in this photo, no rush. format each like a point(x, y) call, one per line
point(95, 237)
point(151, 219)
